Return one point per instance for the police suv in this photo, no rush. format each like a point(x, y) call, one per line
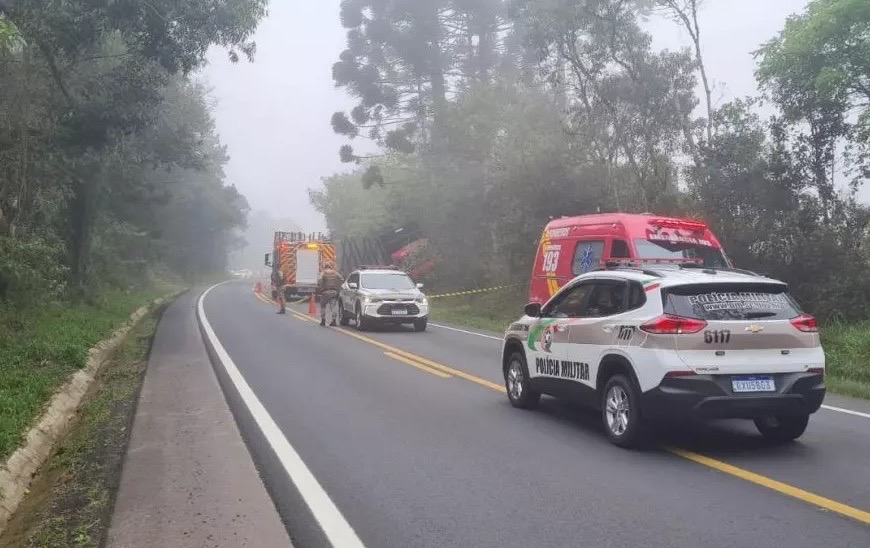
point(380, 295)
point(670, 342)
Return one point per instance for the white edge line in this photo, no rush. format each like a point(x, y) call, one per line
point(847, 411)
point(439, 326)
point(827, 407)
point(331, 521)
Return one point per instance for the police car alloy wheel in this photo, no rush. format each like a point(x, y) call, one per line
point(621, 413)
point(519, 391)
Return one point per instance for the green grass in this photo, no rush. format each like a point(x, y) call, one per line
point(847, 347)
point(70, 503)
point(489, 311)
point(40, 349)
point(847, 352)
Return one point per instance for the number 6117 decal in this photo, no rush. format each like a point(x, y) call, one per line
point(717, 336)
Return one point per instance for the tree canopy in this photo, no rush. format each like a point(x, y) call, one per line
point(110, 165)
point(578, 113)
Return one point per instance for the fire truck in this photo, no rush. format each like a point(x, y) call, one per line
point(299, 258)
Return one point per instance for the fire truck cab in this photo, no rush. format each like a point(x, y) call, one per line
point(571, 246)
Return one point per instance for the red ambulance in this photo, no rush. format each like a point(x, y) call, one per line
point(571, 246)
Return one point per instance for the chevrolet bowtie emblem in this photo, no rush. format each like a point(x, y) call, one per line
point(755, 328)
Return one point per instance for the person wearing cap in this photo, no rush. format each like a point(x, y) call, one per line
point(328, 285)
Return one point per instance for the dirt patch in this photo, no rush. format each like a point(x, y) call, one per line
point(70, 502)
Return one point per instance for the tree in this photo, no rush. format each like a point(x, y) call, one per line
point(109, 63)
point(103, 140)
point(403, 61)
point(818, 71)
point(628, 107)
point(685, 13)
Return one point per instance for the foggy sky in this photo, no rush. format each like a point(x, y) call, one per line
point(274, 114)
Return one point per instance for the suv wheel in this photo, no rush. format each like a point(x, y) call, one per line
point(343, 317)
point(782, 429)
point(420, 325)
point(361, 323)
point(516, 379)
point(620, 412)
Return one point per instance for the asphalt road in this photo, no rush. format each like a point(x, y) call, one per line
point(430, 454)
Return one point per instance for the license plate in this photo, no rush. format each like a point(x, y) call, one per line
point(752, 384)
point(400, 312)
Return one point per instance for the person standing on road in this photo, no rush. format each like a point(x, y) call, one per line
point(278, 284)
point(328, 285)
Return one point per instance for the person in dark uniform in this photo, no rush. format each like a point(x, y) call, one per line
point(278, 285)
point(328, 285)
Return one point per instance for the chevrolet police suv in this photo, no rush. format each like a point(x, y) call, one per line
point(378, 296)
point(670, 343)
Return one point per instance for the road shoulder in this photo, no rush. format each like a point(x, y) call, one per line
point(188, 478)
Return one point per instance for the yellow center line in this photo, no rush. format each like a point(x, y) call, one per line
point(419, 366)
point(763, 481)
point(774, 485)
point(424, 361)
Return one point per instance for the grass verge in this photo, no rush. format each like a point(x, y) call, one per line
point(41, 347)
point(70, 503)
point(847, 347)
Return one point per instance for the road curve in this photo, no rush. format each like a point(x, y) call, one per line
point(428, 453)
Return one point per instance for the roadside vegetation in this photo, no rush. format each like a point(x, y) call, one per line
point(504, 115)
point(40, 348)
point(71, 501)
point(112, 189)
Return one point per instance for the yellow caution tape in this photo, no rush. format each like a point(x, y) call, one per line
point(473, 291)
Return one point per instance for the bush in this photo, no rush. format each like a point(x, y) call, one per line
point(31, 270)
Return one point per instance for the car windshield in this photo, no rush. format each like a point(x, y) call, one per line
point(373, 280)
point(710, 256)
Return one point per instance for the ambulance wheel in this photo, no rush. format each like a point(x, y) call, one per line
point(516, 379)
point(343, 317)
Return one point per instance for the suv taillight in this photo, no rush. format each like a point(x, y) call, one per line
point(673, 325)
point(805, 323)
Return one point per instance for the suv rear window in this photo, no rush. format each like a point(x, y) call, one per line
point(736, 301)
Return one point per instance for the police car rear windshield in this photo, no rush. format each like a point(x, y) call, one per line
point(736, 301)
point(649, 249)
point(380, 280)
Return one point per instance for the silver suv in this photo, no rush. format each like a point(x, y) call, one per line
point(382, 296)
point(643, 345)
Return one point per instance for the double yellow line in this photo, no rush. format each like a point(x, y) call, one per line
point(443, 371)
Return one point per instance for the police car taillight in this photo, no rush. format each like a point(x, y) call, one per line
point(805, 323)
point(673, 325)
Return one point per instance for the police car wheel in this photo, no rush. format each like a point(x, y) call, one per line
point(343, 316)
point(516, 377)
point(361, 323)
point(782, 429)
point(620, 412)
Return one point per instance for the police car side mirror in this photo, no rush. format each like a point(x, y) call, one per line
point(533, 310)
point(352, 285)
